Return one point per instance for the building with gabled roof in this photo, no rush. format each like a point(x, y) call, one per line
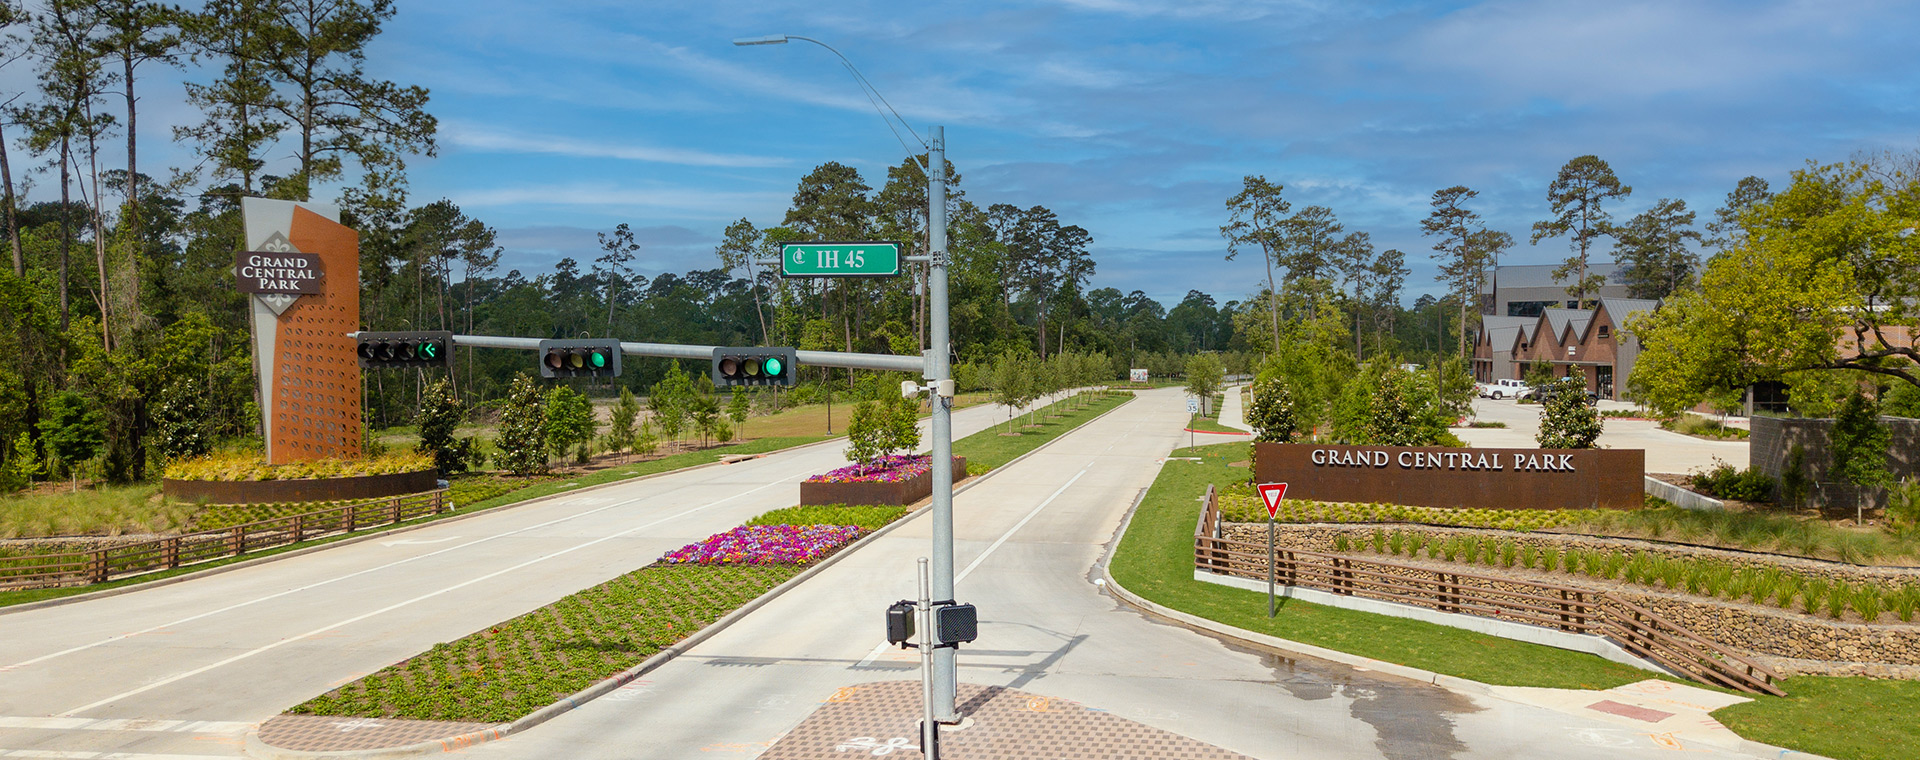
point(1524, 290)
point(1585, 343)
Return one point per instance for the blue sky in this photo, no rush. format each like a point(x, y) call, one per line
point(1133, 118)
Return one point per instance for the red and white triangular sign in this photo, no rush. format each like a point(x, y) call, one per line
point(1272, 493)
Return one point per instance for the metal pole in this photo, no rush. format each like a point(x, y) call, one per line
point(945, 669)
point(1271, 562)
point(929, 727)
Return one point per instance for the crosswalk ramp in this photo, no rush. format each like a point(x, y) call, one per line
point(48, 738)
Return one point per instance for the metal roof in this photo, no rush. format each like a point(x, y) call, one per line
point(1541, 275)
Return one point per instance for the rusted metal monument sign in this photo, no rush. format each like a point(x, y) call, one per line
point(1457, 478)
point(302, 268)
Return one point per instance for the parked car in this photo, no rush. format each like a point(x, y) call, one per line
point(1504, 389)
point(1546, 394)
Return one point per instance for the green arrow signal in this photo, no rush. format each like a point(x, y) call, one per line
point(430, 350)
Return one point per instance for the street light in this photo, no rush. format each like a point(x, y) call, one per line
point(945, 675)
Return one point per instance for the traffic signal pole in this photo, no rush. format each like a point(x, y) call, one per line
point(945, 668)
point(884, 362)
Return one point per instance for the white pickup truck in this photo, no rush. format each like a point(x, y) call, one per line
point(1504, 389)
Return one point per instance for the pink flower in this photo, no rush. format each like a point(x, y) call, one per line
point(766, 545)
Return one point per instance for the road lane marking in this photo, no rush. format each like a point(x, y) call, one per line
point(423, 597)
point(336, 579)
point(125, 724)
point(418, 542)
point(1017, 526)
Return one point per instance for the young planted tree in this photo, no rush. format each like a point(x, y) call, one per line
point(620, 429)
point(522, 443)
point(1204, 379)
point(1576, 198)
point(1567, 419)
point(1011, 384)
point(569, 423)
point(1270, 411)
point(1858, 446)
point(866, 432)
point(670, 401)
point(738, 407)
point(440, 414)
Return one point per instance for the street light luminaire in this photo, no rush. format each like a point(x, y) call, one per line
point(771, 39)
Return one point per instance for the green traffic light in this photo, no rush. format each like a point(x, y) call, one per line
point(599, 360)
point(773, 366)
point(430, 350)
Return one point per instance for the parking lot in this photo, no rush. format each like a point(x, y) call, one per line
point(1666, 451)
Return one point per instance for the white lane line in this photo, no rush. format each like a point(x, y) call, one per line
point(126, 724)
point(1017, 526)
point(882, 647)
point(420, 598)
point(336, 579)
point(83, 755)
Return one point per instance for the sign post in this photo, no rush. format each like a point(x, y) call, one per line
point(1271, 493)
point(1193, 408)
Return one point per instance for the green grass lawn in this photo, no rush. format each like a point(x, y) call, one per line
point(989, 448)
point(1208, 425)
point(1844, 718)
point(1155, 560)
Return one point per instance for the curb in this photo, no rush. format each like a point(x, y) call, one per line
point(291, 553)
point(256, 748)
point(1451, 683)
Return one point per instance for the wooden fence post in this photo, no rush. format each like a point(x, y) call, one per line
point(395, 508)
point(353, 516)
point(237, 540)
point(99, 569)
point(299, 527)
point(172, 552)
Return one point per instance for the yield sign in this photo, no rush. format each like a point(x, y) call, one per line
point(1272, 493)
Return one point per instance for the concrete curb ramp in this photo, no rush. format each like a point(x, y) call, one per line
point(257, 748)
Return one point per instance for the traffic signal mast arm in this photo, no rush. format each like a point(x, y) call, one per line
point(887, 362)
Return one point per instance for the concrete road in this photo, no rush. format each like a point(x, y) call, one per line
point(1667, 451)
point(182, 669)
point(1027, 541)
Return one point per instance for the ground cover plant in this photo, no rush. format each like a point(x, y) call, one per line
point(251, 465)
point(989, 449)
point(1752, 531)
point(766, 545)
point(866, 516)
point(505, 671)
point(1155, 560)
point(1778, 587)
point(1702, 427)
point(897, 468)
point(508, 670)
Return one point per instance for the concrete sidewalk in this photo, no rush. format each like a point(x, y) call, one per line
point(1233, 413)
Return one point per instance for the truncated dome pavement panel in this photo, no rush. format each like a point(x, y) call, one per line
point(883, 719)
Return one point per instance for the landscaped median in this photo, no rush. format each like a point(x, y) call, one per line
point(524, 670)
point(1155, 560)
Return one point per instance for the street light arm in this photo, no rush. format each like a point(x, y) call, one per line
point(866, 87)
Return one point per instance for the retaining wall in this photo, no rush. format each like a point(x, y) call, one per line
point(1771, 446)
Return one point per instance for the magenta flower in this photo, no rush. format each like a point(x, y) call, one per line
point(766, 545)
point(893, 469)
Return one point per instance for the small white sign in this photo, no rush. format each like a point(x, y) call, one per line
point(1193, 406)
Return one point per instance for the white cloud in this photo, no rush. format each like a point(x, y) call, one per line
point(649, 200)
point(488, 141)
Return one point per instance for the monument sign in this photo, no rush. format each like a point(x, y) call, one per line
point(1457, 478)
point(302, 268)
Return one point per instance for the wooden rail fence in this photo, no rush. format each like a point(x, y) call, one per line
point(1564, 608)
point(102, 565)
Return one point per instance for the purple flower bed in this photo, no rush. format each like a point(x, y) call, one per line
point(893, 469)
point(766, 545)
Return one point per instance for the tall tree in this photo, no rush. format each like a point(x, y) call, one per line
point(1576, 198)
point(1724, 230)
point(12, 48)
point(615, 266)
point(239, 107)
point(831, 203)
point(1462, 259)
point(737, 249)
point(1049, 259)
point(1653, 250)
point(137, 32)
point(72, 80)
point(315, 50)
point(1256, 220)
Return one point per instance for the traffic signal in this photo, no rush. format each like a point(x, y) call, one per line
point(406, 348)
point(753, 366)
point(581, 357)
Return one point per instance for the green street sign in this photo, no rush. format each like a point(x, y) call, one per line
point(840, 259)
